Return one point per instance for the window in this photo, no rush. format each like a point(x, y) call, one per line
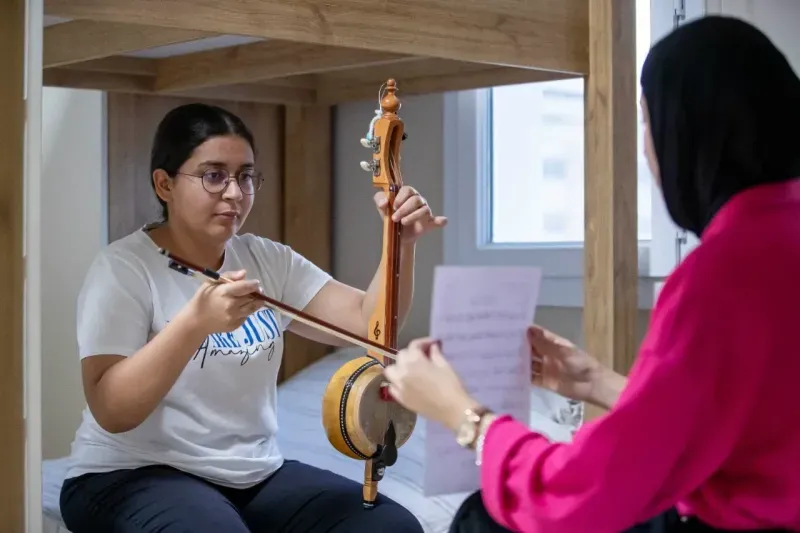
point(554, 168)
point(555, 223)
point(514, 175)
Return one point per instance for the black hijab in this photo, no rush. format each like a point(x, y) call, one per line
point(724, 108)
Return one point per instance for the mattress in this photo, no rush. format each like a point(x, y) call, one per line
point(53, 473)
point(302, 437)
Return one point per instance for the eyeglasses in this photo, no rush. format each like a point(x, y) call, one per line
point(216, 180)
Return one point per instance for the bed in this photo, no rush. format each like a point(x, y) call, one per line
point(302, 437)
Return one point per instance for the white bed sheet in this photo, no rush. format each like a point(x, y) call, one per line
point(302, 437)
point(53, 473)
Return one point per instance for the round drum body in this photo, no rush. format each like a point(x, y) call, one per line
point(354, 415)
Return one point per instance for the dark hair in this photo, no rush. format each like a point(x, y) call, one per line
point(724, 107)
point(185, 128)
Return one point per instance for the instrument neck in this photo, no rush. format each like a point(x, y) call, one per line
point(385, 319)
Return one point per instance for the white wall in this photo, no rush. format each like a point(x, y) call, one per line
point(73, 231)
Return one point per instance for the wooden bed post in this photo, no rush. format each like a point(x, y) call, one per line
point(12, 156)
point(307, 225)
point(611, 238)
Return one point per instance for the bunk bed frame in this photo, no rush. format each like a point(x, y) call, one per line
point(310, 55)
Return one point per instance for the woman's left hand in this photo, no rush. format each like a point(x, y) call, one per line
point(424, 382)
point(412, 211)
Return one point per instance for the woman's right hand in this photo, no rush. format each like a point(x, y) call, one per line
point(559, 365)
point(223, 307)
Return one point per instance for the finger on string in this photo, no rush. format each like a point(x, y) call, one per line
point(404, 194)
point(382, 204)
point(423, 214)
point(380, 199)
point(406, 208)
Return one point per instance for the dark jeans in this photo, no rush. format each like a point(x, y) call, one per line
point(298, 498)
point(472, 517)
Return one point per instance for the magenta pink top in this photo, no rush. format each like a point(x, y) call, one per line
point(710, 419)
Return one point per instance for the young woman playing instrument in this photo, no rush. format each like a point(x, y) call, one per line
point(704, 434)
point(180, 377)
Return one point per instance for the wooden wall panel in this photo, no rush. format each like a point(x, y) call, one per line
point(12, 275)
point(132, 122)
point(307, 208)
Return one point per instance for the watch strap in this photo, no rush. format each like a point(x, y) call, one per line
point(477, 415)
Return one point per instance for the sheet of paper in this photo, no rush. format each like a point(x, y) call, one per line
point(480, 315)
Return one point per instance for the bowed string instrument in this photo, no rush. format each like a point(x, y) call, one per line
point(360, 418)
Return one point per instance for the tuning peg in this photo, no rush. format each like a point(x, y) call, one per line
point(366, 143)
point(368, 166)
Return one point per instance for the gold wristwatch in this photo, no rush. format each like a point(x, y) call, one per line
point(469, 430)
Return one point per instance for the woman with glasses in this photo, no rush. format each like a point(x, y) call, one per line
point(180, 377)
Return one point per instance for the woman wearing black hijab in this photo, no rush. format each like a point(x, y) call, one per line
point(704, 433)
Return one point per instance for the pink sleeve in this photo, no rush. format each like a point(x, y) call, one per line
point(631, 464)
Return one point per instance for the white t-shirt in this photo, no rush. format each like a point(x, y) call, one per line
point(219, 419)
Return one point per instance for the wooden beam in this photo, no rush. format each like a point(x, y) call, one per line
point(141, 66)
point(129, 83)
point(611, 263)
point(12, 274)
point(424, 76)
point(544, 34)
point(261, 61)
point(101, 81)
point(256, 93)
point(134, 66)
point(82, 40)
point(307, 208)
point(415, 76)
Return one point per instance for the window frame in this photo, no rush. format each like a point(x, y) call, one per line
point(467, 197)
